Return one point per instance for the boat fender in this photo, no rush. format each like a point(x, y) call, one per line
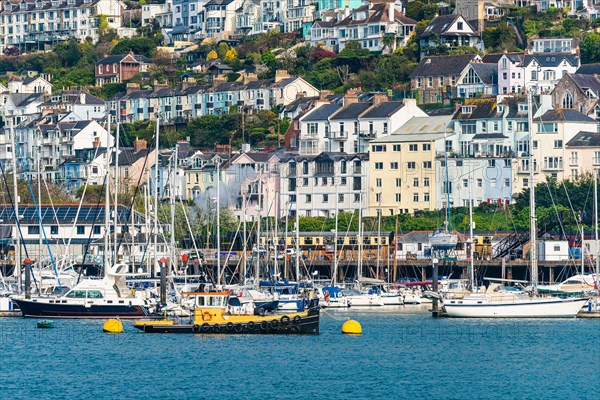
point(205, 327)
point(261, 312)
point(229, 326)
point(285, 320)
point(274, 324)
point(264, 325)
point(251, 325)
point(206, 316)
point(196, 328)
point(216, 328)
point(297, 319)
point(239, 328)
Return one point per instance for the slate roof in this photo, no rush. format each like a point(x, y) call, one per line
point(383, 110)
point(487, 72)
point(565, 114)
point(440, 25)
point(494, 58)
point(482, 109)
point(119, 57)
point(483, 136)
point(591, 82)
point(585, 139)
point(351, 111)
point(128, 157)
point(442, 65)
point(322, 113)
point(550, 60)
point(589, 69)
point(376, 13)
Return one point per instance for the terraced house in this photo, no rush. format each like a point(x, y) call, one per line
point(37, 24)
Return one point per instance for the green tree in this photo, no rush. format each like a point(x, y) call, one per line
point(590, 48)
point(139, 45)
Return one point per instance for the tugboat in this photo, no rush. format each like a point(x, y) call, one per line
point(223, 313)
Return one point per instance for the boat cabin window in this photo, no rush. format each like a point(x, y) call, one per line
point(76, 294)
point(94, 294)
point(215, 301)
point(199, 301)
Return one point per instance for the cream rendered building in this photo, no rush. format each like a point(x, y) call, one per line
point(402, 174)
point(582, 154)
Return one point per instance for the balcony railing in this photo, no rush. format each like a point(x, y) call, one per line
point(338, 135)
point(367, 134)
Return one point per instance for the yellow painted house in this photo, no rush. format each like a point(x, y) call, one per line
point(402, 174)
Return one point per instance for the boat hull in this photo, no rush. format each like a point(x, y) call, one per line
point(38, 309)
point(536, 308)
point(307, 325)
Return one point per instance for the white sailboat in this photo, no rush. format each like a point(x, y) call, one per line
point(498, 303)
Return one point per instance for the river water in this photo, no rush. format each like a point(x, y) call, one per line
point(402, 353)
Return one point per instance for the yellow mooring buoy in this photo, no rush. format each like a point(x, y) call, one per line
point(352, 327)
point(113, 326)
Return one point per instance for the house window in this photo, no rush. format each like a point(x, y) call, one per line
point(411, 165)
point(415, 182)
point(412, 147)
point(80, 230)
point(378, 165)
point(325, 198)
point(398, 197)
point(426, 182)
point(397, 147)
point(430, 81)
point(479, 182)
point(54, 230)
point(398, 182)
point(459, 26)
point(308, 198)
point(378, 182)
point(425, 196)
point(506, 182)
point(426, 164)
point(426, 146)
point(378, 197)
point(567, 100)
point(393, 165)
point(415, 197)
point(558, 144)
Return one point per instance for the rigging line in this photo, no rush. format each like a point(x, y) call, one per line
point(79, 210)
point(133, 197)
point(38, 207)
point(17, 222)
point(187, 221)
point(55, 217)
point(87, 246)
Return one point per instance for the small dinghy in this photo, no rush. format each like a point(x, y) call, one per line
point(45, 324)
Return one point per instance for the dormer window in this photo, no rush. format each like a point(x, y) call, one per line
point(523, 108)
point(39, 4)
point(500, 108)
point(466, 110)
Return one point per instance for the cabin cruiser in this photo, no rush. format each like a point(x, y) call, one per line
point(107, 297)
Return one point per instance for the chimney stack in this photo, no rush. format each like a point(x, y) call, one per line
point(132, 87)
point(351, 96)
point(391, 13)
point(380, 98)
point(139, 145)
point(188, 83)
point(281, 74)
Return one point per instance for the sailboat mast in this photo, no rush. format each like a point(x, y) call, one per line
point(116, 219)
point(335, 240)
point(173, 163)
point(596, 226)
point(532, 216)
point(16, 202)
point(378, 235)
point(39, 188)
point(258, 226)
point(218, 203)
point(245, 245)
point(155, 262)
point(298, 255)
point(360, 239)
point(447, 184)
point(276, 268)
point(108, 155)
point(472, 246)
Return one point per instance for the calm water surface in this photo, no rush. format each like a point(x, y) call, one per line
point(401, 354)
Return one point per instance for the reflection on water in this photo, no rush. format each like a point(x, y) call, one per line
point(402, 353)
